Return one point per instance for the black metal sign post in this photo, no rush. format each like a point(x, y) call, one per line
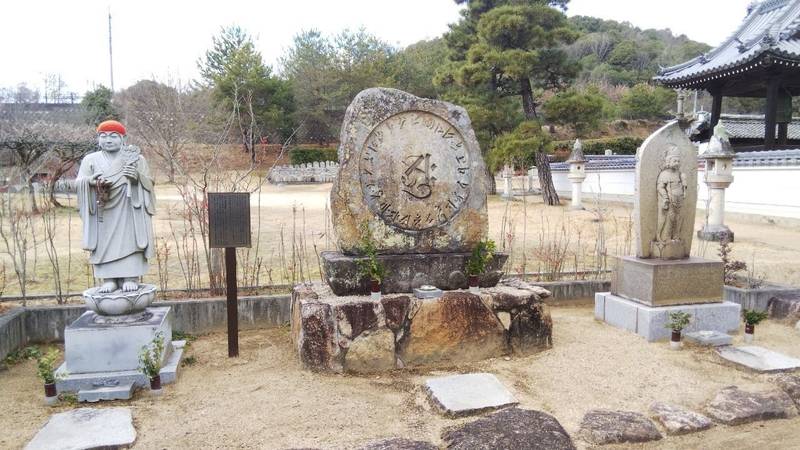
point(229, 228)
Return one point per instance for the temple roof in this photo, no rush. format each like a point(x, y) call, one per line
point(752, 126)
point(769, 35)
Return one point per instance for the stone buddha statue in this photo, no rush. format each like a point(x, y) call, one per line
point(116, 202)
point(671, 188)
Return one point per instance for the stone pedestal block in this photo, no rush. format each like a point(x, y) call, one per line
point(90, 346)
point(358, 334)
point(405, 272)
point(101, 360)
point(658, 282)
point(715, 235)
point(648, 321)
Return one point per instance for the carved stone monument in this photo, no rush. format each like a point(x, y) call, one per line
point(411, 174)
point(412, 179)
point(663, 276)
point(116, 202)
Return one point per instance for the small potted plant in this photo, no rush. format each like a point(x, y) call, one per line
point(370, 267)
point(751, 319)
point(481, 256)
point(150, 362)
point(678, 320)
point(45, 368)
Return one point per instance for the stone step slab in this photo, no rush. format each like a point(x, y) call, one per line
point(791, 385)
point(119, 392)
point(733, 406)
point(86, 428)
point(399, 444)
point(600, 427)
point(758, 358)
point(709, 338)
point(678, 420)
point(513, 428)
point(468, 394)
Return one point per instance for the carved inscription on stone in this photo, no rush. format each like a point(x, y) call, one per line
point(415, 171)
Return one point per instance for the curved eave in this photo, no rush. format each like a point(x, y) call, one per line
point(778, 58)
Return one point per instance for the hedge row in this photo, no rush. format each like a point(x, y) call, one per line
point(625, 145)
point(303, 155)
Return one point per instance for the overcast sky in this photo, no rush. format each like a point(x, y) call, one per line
point(162, 38)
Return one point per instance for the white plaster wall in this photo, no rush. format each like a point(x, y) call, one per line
point(766, 191)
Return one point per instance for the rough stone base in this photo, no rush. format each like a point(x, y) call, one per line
point(658, 282)
point(648, 321)
point(358, 334)
point(715, 235)
point(407, 271)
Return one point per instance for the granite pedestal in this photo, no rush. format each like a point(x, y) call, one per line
point(404, 272)
point(101, 353)
point(660, 282)
point(649, 321)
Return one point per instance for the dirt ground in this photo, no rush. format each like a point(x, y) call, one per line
point(540, 238)
point(263, 399)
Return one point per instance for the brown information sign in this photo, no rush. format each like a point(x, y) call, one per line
point(228, 219)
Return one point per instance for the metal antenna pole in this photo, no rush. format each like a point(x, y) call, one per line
point(110, 53)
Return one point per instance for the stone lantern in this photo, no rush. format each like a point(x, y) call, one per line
point(718, 175)
point(577, 173)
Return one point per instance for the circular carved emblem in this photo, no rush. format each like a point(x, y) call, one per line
point(415, 170)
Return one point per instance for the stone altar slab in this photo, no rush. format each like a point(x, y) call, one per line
point(90, 346)
point(759, 359)
point(411, 173)
point(86, 428)
point(405, 272)
point(709, 337)
point(468, 394)
point(662, 282)
point(648, 321)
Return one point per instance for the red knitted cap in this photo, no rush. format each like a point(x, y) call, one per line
point(111, 125)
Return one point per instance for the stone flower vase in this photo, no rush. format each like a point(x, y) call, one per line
point(474, 282)
point(749, 331)
point(675, 340)
point(50, 394)
point(155, 385)
point(375, 289)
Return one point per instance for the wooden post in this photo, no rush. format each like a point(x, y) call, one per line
point(771, 114)
point(232, 304)
point(716, 108)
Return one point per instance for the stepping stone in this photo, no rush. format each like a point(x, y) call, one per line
point(473, 393)
point(601, 427)
point(758, 358)
point(399, 444)
point(120, 392)
point(512, 428)
point(710, 338)
point(791, 385)
point(733, 406)
point(86, 428)
point(679, 420)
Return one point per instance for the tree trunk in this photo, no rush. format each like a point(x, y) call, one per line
point(549, 194)
point(527, 98)
point(492, 182)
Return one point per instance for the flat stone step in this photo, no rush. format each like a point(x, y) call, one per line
point(709, 338)
point(733, 406)
point(86, 428)
point(119, 392)
point(473, 393)
point(601, 427)
point(759, 359)
point(512, 428)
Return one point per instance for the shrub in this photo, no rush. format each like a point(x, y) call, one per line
point(46, 366)
point(624, 145)
point(646, 102)
point(580, 110)
point(150, 356)
point(304, 155)
point(678, 320)
point(753, 317)
point(481, 256)
point(369, 267)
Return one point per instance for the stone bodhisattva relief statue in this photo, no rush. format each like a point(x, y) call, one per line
point(116, 203)
point(671, 188)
